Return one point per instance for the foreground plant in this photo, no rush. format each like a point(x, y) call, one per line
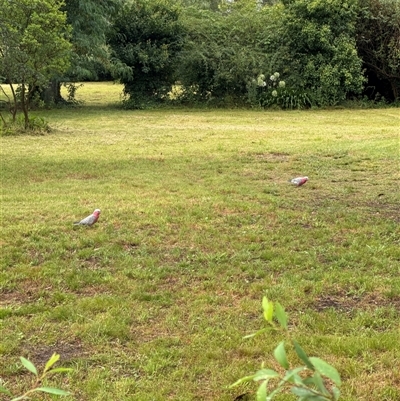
point(307, 382)
point(39, 378)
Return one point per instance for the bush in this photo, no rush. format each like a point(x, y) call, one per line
point(145, 41)
point(321, 57)
point(274, 92)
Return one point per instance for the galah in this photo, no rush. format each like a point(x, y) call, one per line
point(299, 181)
point(89, 220)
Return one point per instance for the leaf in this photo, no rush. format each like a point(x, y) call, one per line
point(281, 315)
point(5, 391)
point(257, 333)
point(320, 383)
point(280, 355)
point(242, 380)
point(292, 376)
point(336, 393)
point(22, 397)
point(302, 355)
point(61, 370)
point(52, 390)
point(262, 391)
point(297, 379)
point(274, 393)
point(268, 307)
point(307, 394)
point(302, 392)
point(53, 359)
point(326, 370)
point(28, 365)
point(265, 374)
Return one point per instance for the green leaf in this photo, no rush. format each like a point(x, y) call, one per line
point(257, 333)
point(302, 392)
point(336, 393)
point(297, 379)
point(319, 383)
point(53, 359)
point(21, 397)
point(61, 370)
point(262, 391)
point(302, 355)
point(242, 380)
point(268, 307)
point(5, 391)
point(326, 370)
point(28, 365)
point(274, 393)
point(280, 355)
point(292, 376)
point(281, 315)
point(265, 374)
point(307, 394)
point(52, 390)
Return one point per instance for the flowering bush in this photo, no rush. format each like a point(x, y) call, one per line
point(274, 92)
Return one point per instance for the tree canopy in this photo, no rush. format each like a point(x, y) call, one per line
point(146, 38)
point(378, 43)
point(34, 47)
point(292, 53)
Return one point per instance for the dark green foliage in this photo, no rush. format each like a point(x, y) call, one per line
point(225, 50)
point(214, 50)
point(90, 21)
point(34, 48)
point(321, 51)
point(378, 43)
point(146, 39)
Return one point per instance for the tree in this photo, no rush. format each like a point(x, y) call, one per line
point(90, 21)
point(225, 50)
point(378, 43)
point(146, 39)
point(321, 55)
point(34, 47)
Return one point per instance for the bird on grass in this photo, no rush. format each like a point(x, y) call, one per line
point(89, 220)
point(299, 181)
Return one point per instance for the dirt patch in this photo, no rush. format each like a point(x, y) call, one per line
point(40, 354)
point(387, 210)
point(274, 157)
point(346, 303)
point(27, 293)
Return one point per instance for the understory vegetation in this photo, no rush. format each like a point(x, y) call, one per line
point(198, 223)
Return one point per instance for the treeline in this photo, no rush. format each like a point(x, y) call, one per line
point(288, 53)
point(292, 53)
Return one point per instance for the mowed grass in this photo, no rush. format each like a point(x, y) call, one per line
point(198, 223)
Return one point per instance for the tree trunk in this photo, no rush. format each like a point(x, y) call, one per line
point(395, 88)
point(50, 95)
point(25, 105)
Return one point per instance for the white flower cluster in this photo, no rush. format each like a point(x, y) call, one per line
point(261, 80)
point(274, 77)
point(275, 82)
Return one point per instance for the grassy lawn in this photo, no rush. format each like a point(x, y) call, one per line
point(198, 223)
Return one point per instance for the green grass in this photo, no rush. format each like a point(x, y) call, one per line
point(199, 222)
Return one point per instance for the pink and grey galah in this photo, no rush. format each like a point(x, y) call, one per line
point(299, 181)
point(89, 220)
